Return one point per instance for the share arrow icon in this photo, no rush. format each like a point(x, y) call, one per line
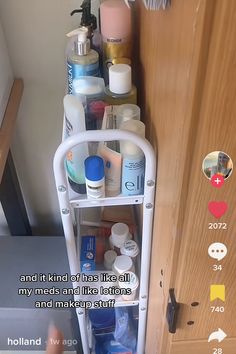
point(218, 335)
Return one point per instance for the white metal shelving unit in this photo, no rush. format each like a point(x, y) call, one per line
point(68, 201)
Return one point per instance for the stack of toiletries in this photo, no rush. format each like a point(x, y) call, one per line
point(119, 255)
point(117, 168)
point(100, 94)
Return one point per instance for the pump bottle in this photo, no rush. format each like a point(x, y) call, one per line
point(81, 60)
point(89, 21)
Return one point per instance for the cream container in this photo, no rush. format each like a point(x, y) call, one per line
point(119, 235)
point(122, 264)
point(132, 284)
point(130, 248)
point(109, 259)
point(107, 289)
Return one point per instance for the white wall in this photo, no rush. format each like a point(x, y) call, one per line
point(6, 75)
point(35, 34)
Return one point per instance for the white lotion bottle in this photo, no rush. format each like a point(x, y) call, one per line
point(95, 177)
point(133, 164)
point(74, 122)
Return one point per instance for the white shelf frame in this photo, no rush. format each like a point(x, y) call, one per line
point(66, 205)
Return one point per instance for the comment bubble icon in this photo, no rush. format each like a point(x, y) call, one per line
point(217, 251)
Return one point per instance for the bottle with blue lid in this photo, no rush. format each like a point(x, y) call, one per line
point(94, 177)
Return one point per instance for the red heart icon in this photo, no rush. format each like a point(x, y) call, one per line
point(217, 208)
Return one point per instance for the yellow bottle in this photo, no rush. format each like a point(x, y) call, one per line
point(120, 89)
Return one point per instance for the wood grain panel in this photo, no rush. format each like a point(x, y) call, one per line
point(173, 49)
point(201, 347)
point(9, 120)
point(217, 125)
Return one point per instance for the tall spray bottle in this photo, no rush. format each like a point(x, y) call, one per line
point(115, 18)
point(81, 59)
point(74, 122)
point(133, 165)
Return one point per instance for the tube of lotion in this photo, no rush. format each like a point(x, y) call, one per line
point(112, 167)
point(74, 122)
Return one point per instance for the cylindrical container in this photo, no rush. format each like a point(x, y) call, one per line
point(112, 165)
point(107, 289)
point(81, 60)
point(120, 89)
point(122, 265)
point(74, 122)
point(109, 259)
point(119, 234)
point(94, 177)
point(132, 284)
point(130, 248)
point(127, 112)
point(102, 318)
point(92, 88)
point(133, 166)
point(116, 33)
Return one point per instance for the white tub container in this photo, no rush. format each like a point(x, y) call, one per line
point(119, 234)
point(122, 265)
point(130, 248)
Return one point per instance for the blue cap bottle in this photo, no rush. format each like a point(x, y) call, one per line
point(95, 177)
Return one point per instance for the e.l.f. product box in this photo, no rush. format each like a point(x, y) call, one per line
point(87, 253)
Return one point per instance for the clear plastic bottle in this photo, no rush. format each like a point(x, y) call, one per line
point(81, 60)
point(127, 112)
point(120, 89)
point(92, 88)
point(133, 166)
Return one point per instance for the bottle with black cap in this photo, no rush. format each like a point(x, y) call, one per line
point(89, 21)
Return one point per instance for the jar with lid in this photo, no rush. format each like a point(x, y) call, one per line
point(122, 265)
point(130, 248)
point(119, 234)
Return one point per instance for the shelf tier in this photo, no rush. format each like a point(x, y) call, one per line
point(82, 202)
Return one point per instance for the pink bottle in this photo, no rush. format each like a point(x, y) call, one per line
point(116, 33)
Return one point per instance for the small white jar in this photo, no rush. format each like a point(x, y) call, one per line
point(109, 259)
point(132, 284)
point(107, 286)
point(122, 264)
point(130, 248)
point(119, 234)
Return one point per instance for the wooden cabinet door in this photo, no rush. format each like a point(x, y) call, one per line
point(187, 71)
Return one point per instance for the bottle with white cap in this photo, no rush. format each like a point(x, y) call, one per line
point(120, 89)
point(133, 165)
point(119, 234)
point(81, 60)
point(123, 264)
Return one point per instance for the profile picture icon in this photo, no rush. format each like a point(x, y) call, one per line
point(217, 162)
